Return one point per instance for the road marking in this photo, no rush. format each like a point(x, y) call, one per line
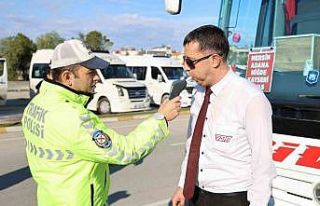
point(161, 202)
point(178, 144)
point(10, 139)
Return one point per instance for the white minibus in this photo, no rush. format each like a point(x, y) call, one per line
point(158, 74)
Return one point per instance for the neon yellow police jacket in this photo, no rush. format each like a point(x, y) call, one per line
point(69, 148)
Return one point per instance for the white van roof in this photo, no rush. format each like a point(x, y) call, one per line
point(42, 56)
point(150, 61)
point(111, 58)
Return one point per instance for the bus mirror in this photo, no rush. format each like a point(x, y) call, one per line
point(236, 37)
point(173, 6)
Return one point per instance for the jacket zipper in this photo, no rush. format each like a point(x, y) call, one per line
point(92, 194)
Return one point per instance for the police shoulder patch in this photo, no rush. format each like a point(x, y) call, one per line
point(101, 139)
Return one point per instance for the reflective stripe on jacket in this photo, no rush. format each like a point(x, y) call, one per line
point(69, 167)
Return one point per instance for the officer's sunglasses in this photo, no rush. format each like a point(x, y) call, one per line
point(192, 63)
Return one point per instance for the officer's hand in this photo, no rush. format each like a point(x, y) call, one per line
point(170, 108)
point(178, 197)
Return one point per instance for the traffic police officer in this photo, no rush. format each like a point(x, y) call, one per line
point(68, 147)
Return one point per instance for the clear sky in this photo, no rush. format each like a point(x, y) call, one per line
point(128, 23)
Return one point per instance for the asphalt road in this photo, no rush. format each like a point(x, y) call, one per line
point(150, 183)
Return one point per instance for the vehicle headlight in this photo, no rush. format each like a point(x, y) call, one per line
point(120, 91)
point(316, 192)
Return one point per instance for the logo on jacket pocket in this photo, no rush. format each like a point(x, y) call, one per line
point(223, 138)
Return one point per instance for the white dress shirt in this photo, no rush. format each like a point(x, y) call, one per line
point(236, 147)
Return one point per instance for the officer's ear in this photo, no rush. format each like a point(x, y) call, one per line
point(67, 77)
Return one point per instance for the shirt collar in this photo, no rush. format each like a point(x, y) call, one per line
point(216, 88)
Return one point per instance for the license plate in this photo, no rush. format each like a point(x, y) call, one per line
point(138, 106)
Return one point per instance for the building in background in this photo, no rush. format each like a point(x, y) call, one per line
point(163, 50)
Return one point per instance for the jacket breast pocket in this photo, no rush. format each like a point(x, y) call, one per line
point(224, 138)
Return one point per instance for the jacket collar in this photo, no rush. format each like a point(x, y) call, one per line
point(66, 92)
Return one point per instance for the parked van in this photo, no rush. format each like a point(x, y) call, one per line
point(158, 73)
point(118, 92)
point(3, 81)
point(38, 69)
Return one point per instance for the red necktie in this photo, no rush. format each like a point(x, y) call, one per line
point(194, 150)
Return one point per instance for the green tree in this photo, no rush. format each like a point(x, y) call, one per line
point(96, 41)
point(49, 40)
point(18, 52)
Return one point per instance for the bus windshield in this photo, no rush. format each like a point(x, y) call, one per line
point(288, 18)
point(291, 29)
point(116, 71)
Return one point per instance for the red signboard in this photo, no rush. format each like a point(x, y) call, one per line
point(260, 68)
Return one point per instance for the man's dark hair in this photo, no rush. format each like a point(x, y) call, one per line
point(209, 38)
point(55, 73)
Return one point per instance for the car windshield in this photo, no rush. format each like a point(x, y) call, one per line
point(174, 73)
point(116, 71)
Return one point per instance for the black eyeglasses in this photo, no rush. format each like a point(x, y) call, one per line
point(192, 63)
